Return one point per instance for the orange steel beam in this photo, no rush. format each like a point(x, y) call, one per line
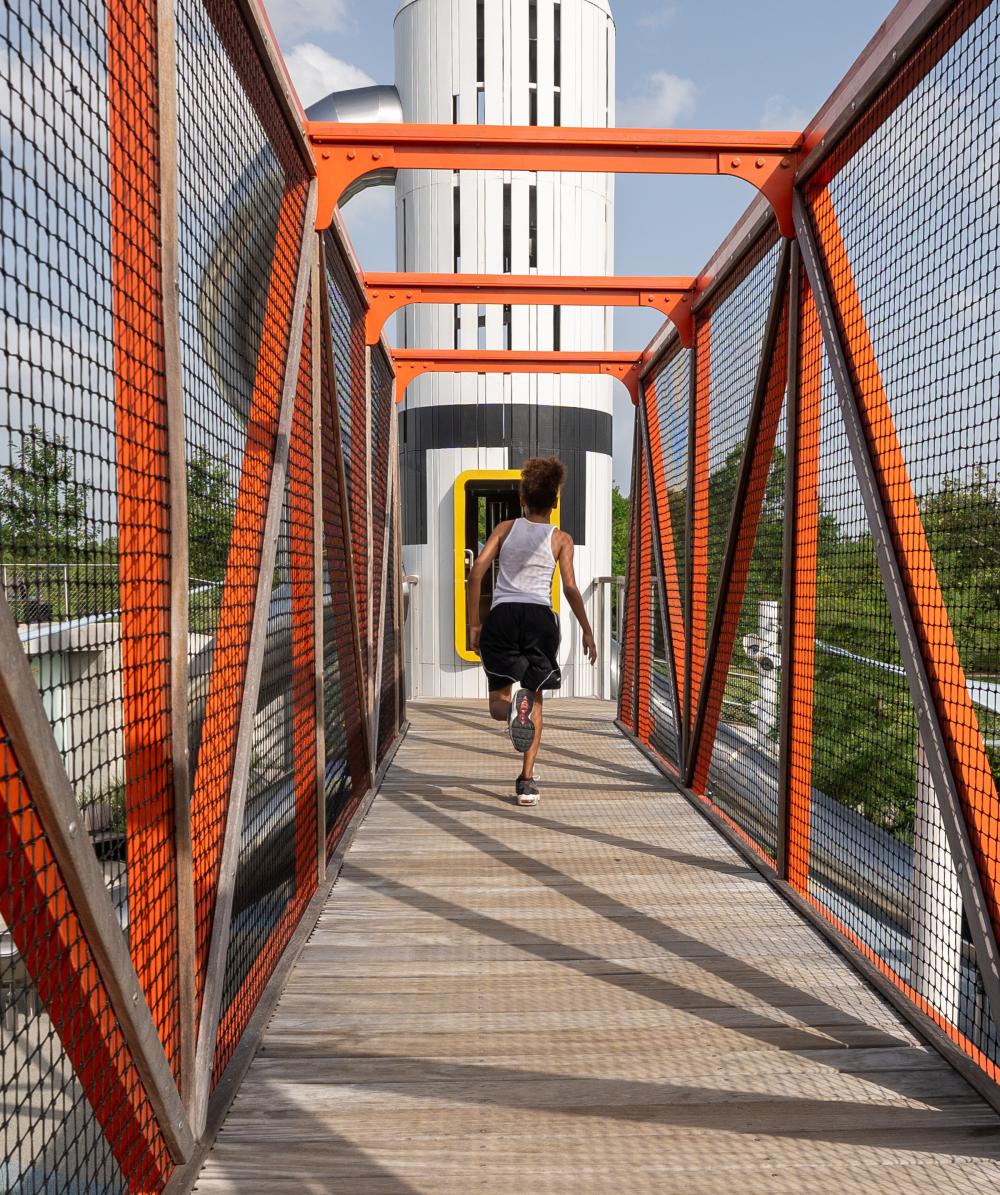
point(411, 363)
point(143, 493)
point(698, 516)
point(800, 614)
point(386, 293)
point(345, 153)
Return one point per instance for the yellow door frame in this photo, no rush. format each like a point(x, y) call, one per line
point(458, 552)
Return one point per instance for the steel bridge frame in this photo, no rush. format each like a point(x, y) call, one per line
point(387, 293)
point(411, 363)
point(147, 1064)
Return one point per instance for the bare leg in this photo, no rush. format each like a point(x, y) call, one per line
point(528, 768)
point(500, 704)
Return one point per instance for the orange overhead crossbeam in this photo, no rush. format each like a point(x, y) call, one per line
point(411, 363)
point(345, 153)
point(387, 293)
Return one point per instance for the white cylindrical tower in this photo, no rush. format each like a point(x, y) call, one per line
point(520, 62)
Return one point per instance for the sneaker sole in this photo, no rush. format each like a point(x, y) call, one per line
point(522, 735)
point(528, 800)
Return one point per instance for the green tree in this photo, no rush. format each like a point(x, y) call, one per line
point(43, 508)
point(619, 532)
point(210, 516)
point(962, 521)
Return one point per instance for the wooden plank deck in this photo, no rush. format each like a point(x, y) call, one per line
point(593, 995)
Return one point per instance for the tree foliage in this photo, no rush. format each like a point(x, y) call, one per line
point(619, 532)
point(210, 516)
point(43, 508)
point(864, 726)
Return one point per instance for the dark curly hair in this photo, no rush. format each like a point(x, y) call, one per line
point(541, 478)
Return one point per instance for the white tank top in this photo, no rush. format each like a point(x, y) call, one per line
point(526, 564)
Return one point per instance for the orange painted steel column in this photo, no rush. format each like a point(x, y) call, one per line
point(746, 520)
point(217, 753)
point(644, 590)
point(697, 539)
point(668, 551)
point(953, 704)
point(143, 510)
point(800, 619)
point(39, 914)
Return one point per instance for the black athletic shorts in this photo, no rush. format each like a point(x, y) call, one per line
point(519, 645)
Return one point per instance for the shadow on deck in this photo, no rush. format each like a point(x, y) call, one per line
point(596, 993)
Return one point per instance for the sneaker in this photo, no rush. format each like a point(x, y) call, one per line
point(527, 791)
point(522, 729)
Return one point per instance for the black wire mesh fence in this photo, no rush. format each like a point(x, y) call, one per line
point(817, 758)
point(149, 523)
point(347, 325)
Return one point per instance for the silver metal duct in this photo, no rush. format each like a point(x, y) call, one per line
point(379, 104)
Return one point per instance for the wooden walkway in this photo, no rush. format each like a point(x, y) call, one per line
point(592, 996)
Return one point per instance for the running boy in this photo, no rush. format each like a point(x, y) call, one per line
point(519, 641)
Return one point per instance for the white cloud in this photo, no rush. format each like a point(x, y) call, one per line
point(294, 18)
point(316, 73)
point(662, 15)
point(781, 114)
point(663, 103)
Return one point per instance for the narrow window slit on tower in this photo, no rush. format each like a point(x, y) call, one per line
point(507, 320)
point(480, 42)
point(507, 264)
point(403, 322)
point(455, 110)
point(557, 328)
point(533, 226)
point(532, 61)
point(480, 62)
point(481, 328)
point(456, 191)
point(557, 63)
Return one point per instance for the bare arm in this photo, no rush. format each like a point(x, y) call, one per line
point(573, 596)
point(478, 571)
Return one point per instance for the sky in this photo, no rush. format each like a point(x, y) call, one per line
point(766, 64)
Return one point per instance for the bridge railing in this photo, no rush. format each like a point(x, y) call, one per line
point(812, 639)
point(190, 414)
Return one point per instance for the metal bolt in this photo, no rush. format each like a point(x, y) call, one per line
point(374, 294)
point(785, 163)
point(759, 163)
point(71, 829)
point(135, 997)
point(326, 154)
point(351, 155)
point(376, 157)
point(736, 162)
